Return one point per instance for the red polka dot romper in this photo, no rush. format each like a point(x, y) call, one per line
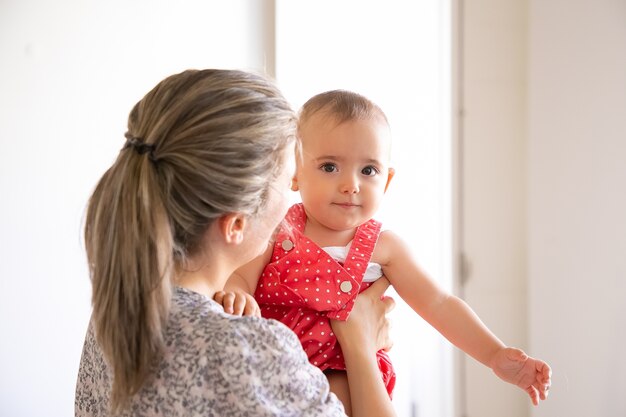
point(304, 287)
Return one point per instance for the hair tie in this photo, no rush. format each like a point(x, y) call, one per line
point(140, 146)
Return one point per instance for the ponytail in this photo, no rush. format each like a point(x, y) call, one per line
point(129, 249)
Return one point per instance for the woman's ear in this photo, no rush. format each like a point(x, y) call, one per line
point(390, 175)
point(231, 227)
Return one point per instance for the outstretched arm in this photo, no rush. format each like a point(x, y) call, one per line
point(457, 322)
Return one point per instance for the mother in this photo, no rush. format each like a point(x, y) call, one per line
point(196, 192)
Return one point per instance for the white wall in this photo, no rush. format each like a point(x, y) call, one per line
point(544, 180)
point(493, 233)
point(70, 71)
point(577, 202)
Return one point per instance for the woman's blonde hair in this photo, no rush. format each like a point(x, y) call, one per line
point(201, 144)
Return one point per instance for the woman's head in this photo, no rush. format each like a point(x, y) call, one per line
point(201, 144)
point(217, 136)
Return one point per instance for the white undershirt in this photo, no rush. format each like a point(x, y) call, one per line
point(339, 253)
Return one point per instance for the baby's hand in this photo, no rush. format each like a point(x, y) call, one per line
point(530, 374)
point(238, 303)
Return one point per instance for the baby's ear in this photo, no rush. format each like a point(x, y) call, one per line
point(294, 184)
point(390, 175)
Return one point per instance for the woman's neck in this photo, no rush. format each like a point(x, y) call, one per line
point(204, 278)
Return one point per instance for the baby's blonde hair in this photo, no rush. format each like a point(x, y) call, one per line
point(341, 106)
point(202, 143)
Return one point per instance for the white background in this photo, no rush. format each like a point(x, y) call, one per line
point(71, 71)
point(545, 81)
point(544, 178)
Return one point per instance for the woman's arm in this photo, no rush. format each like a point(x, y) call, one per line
point(360, 337)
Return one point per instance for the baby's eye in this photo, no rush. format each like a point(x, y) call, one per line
point(369, 171)
point(328, 167)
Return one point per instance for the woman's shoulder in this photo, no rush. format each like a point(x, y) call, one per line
point(248, 358)
point(195, 317)
point(216, 364)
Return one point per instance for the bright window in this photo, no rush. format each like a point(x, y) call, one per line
point(397, 54)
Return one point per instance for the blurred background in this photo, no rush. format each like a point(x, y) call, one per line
point(509, 126)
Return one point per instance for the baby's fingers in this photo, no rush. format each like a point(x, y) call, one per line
point(534, 394)
point(544, 378)
point(541, 390)
point(226, 299)
point(545, 371)
point(251, 308)
point(239, 304)
point(219, 296)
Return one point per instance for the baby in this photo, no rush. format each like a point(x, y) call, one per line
point(330, 248)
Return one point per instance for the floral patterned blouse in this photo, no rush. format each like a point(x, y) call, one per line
point(215, 364)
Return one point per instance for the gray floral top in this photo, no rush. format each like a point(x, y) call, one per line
point(215, 364)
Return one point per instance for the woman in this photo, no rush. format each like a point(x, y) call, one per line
point(196, 192)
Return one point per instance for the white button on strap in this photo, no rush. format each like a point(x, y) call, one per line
point(287, 244)
point(345, 286)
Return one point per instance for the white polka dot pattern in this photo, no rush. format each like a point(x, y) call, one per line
point(307, 296)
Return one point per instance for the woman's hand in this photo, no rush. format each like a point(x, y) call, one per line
point(368, 324)
point(238, 303)
point(364, 333)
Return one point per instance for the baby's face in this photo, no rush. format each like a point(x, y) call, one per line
point(344, 170)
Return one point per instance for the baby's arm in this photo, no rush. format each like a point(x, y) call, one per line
point(238, 295)
point(457, 322)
